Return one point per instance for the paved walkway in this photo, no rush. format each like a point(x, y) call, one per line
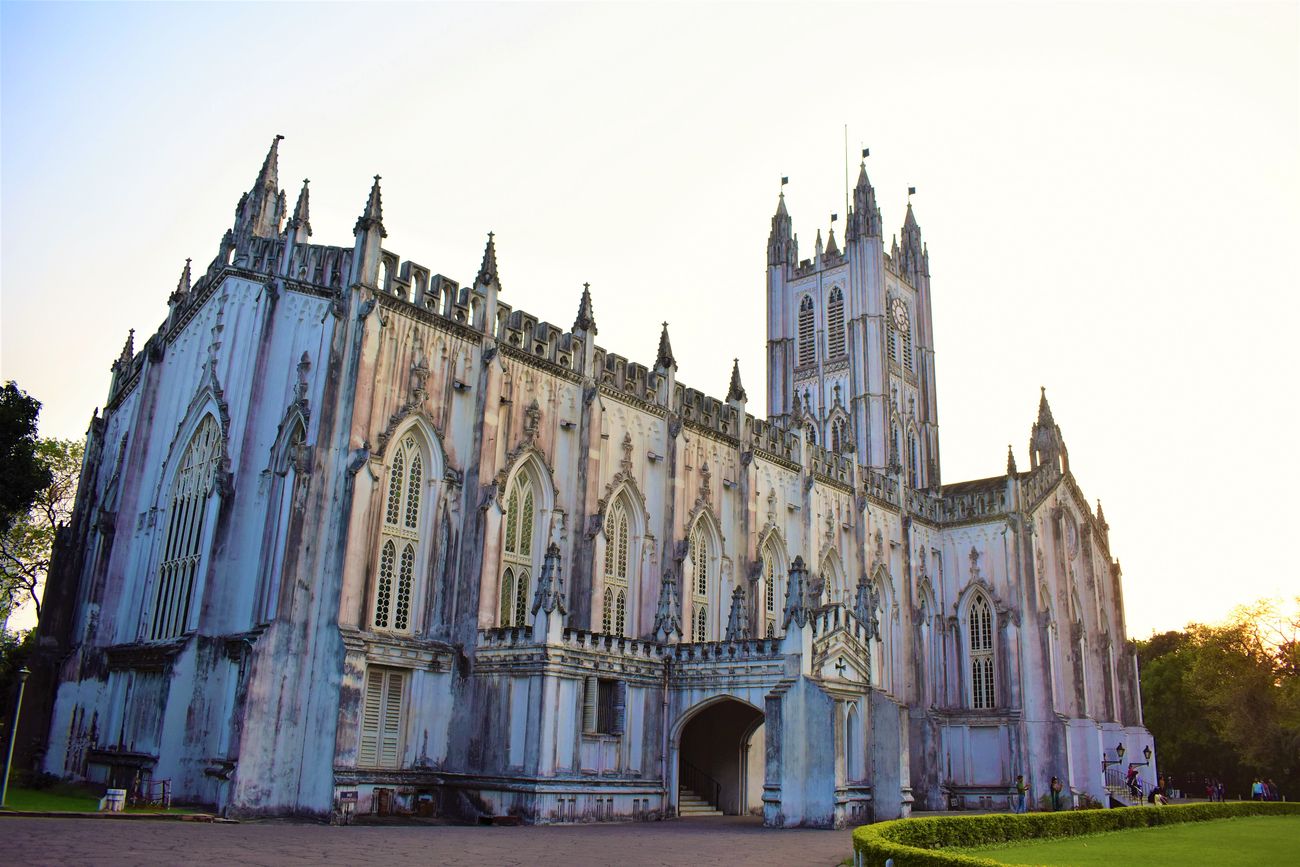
point(693, 842)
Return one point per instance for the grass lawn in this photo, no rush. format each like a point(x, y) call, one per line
point(66, 799)
point(1251, 841)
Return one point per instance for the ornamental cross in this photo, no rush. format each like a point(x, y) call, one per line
point(840, 667)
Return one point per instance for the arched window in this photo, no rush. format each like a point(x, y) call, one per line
point(853, 767)
point(983, 694)
point(517, 554)
point(399, 538)
point(807, 332)
point(289, 467)
point(896, 441)
point(701, 581)
point(614, 618)
point(187, 511)
point(837, 435)
point(913, 462)
point(835, 324)
point(771, 570)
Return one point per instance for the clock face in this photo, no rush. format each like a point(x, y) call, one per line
point(899, 310)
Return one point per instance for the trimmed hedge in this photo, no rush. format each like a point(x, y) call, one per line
point(921, 842)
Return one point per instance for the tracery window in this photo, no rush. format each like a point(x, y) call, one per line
point(701, 580)
point(517, 553)
point(187, 512)
point(835, 324)
point(837, 435)
point(614, 612)
point(983, 693)
point(399, 539)
point(807, 332)
point(381, 719)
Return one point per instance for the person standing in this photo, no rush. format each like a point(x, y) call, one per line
point(1022, 794)
point(1056, 793)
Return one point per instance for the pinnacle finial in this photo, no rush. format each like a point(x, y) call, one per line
point(586, 320)
point(373, 216)
point(1011, 461)
point(128, 349)
point(487, 271)
point(736, 391)
point(183, 284)
point(832, 249)
point(665, 358)
point(1044, 409)
point(301, 211)
point(268, 177)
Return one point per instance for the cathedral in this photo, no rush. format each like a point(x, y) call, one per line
point(354, 537)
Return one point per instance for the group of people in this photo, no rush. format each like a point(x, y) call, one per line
point(1213, 789)
point(1264, 790)
point(1021, 802)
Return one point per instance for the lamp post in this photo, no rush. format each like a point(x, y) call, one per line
point(1146, 754)
point(1119, 753)
point(13, 733)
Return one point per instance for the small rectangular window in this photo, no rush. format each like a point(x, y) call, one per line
point(603, 706)
point(381, 719)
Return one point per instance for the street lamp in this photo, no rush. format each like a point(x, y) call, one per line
point(1119, 752)
point(23, 674)
point(1146, 754)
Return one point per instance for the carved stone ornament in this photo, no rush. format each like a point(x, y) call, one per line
point(549, 596)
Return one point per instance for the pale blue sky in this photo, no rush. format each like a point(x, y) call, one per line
point(1110, 193)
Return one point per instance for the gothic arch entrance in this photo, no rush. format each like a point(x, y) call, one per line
point(721, 757)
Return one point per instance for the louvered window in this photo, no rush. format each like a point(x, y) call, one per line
point(807, 332)
point(983, 693)
point(835, 323)
point(604, 706)
point(907, 347)
point(381, 719)
point(614, 619)
point(400, 539)
point(187, 511)
point(517, 553)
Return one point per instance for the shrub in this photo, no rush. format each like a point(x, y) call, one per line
point(921, 842)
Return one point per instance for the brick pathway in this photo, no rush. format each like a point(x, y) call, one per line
point(693, 842)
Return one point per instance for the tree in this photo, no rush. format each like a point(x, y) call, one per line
point(1224, 701)
point(22, 474)
point(26, 548)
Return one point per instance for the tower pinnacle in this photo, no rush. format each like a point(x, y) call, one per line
point(736, 391)
point(586, 320)
point(665, 358)
point(373, 215)
point(487, 271)
point(300, 222)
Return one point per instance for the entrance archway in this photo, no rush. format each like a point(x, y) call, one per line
point(721, 757)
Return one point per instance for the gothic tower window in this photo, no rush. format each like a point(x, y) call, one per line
point(381, 719)
point(399, 539)
point(771, 593)
point(913, 462)
point(835, 324)
point(983, 693)
point(807, 332)
point(701, 582)
point(517, 553)
point(614, 611)
point(837, 435)
point(187, 512)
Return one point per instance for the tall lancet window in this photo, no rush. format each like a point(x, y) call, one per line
point(771, 571)
point(835, 324)
point(187, 511)
point(983, 693)
point(701, 580)
point(517, 554)
point(614, 611)
point(807, 332)
point(913, 462)
point(399, 539)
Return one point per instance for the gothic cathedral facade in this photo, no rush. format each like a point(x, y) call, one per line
point(353, 536)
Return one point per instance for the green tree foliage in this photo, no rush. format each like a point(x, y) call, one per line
point(26, 548)
point(1224, 701)
point(22, 474)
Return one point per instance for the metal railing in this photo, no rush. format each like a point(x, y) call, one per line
point(701, 784)
point(1117, 784)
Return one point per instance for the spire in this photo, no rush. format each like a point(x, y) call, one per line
point(550, 584)
point(737, 622)
point(373, 216)
point(300, 222)
point(183, 284)
point(915, 258)
point(864, 219)
point(665, 359)
point(1101, 517)
point(778, 241)
point(1011, 461)
point(487, 272)
point(796, 606)
point(667, 621)
point(586, 320)
point(1044, 409)
point(817, 246)
point(736, 391)
point(831, 248)
point(261, 209)
point(128, 349)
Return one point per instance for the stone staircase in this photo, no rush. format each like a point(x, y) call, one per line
point(690, 805)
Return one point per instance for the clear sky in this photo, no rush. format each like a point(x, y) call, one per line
point(1110, 193)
